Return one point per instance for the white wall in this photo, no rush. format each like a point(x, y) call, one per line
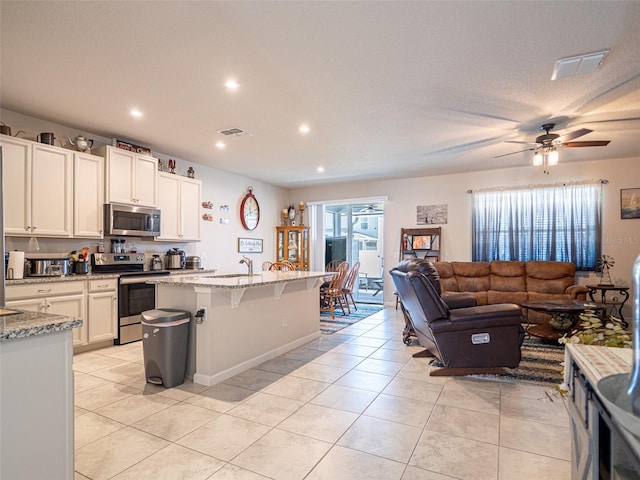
point(621, 238)
point(219, 242)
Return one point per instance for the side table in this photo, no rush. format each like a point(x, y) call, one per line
point(614, 304)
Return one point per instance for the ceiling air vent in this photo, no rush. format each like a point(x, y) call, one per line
point(235, 132)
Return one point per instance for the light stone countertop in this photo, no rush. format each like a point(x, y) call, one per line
point(26, 324)
point(62, 278)
point(98, 276)
point(232, 281)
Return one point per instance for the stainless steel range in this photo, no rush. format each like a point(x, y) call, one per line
point(134, 294)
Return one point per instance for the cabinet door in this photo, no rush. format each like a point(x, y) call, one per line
point(120, 176)
point(190, 209)
point(30, 305)
point(146, 178)
point(169, 205)
point(51, 191)
point(88, 195)
point(70, 306)
point(16, 156)
point(103, 316)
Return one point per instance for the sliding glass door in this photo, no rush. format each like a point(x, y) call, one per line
point(353, 232)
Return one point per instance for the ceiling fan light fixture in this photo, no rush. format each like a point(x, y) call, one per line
point(552, 157)
point(538, 159)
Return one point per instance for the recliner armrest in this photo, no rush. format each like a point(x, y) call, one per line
point(459, 300)
point(577, 291)
point(485, 316)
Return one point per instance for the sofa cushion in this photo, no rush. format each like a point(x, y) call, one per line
point(507, 276)
point(448, 280)
point(549, 277)
point(472, 276)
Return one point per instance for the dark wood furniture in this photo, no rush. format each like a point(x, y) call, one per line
point(420, 243)
point(561, 306)
point(614, 304)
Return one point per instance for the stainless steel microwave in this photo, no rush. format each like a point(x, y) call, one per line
point(127, 220)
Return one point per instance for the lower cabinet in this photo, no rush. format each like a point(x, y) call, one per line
point(102, 311)
point(94, 301)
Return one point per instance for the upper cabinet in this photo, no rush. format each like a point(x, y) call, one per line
point(38, 186)
point(88, 195)
point(179, 202)
point(130, 178)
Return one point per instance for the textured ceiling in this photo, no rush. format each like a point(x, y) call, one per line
point(389, 89)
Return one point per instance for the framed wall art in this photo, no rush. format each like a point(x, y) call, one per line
point(630, 203)
point(249, 245)
point(431, 214)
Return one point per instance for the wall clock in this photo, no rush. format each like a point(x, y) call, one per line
point(249, 211)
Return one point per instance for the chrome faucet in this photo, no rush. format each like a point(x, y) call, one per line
point(249, 264)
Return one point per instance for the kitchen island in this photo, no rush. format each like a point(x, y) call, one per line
point(36, 395)
point(247, 319)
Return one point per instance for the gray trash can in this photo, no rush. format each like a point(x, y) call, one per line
point(165, 335)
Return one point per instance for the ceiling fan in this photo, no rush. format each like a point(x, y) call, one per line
point(550, 142)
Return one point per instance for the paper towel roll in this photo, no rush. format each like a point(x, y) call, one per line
point(15, 269)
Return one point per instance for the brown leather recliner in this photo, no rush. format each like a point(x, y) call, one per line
point(466, 340)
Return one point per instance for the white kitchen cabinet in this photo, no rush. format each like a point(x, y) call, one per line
point(179, 202)
point(38, 188)
point(60, 298)
point(130, 178)
point(88, 195)
point(102, 310)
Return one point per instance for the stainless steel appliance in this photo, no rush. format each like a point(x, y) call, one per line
point(156, 262)
point(127, 220)
point(176, 259)
point(193, 262)
point(47, 264)
point(134, 294)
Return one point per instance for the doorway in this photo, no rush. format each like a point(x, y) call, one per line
point(354, 233)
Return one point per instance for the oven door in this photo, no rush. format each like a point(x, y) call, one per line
point(133, 299)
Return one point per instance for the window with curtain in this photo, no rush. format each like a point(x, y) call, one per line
point(549, 222)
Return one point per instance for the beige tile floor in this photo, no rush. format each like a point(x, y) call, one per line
point(352, 405)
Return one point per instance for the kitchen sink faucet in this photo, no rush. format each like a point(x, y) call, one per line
point(249, 264)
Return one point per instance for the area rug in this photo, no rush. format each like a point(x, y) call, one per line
point(329, 326)
point(541, 363)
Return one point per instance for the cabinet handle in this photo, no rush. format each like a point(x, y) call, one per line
point(102, 286)
point(44, 290)
point(114, 298)
point(27, 228)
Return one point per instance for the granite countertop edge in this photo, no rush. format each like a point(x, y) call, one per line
point(29, 324)
point(62, 278)
point(273, 278)
point(98, 276)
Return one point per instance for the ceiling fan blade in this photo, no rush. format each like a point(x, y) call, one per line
point(522, 143)
point(592, 143)
point(513, 153)
point(572, 135)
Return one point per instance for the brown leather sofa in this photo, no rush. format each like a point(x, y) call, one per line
point(512, 282)
point(465, 339)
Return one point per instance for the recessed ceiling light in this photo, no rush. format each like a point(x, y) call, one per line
point(135, 113)
point(320, 169)
point(304, 128)
point(231, 84)
point(220, 145)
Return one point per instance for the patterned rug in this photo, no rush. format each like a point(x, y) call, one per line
point(329, 326)
point(541, 363)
